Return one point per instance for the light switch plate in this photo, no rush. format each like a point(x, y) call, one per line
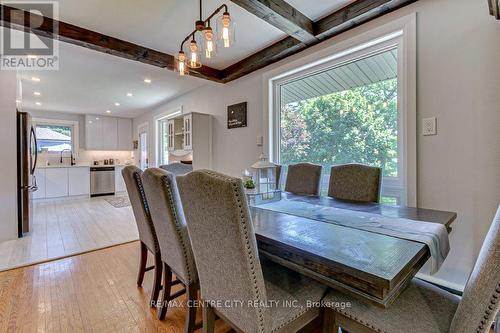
point(260, 141)
point(429, 126)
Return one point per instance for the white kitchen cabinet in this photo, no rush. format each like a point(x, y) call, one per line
point(109, 133)
point(119, 182)
point(56, 182)
point(79, 181)
point(125, 134)
point(40, 182)
point(188, 133)
point(93, 133)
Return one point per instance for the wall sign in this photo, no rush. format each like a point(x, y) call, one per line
point(237, 115)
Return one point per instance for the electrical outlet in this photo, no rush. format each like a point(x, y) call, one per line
point(429, 126)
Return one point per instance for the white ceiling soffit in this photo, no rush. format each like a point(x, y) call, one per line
point(376, 68)
point(317, 9)
point(91, 82)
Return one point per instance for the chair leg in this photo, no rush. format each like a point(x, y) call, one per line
point(329, 322)
point(155, 292)
point(142, 264)
point(167, 284)
point(192, 295)
point(208, 319)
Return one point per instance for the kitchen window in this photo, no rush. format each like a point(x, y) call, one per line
point(54, 136)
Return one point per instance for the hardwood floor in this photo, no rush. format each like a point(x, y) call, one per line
point(65, 227)
point(92, 292)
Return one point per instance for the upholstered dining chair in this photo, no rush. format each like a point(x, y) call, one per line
point(235, 285)
point(177, 168)
point(424, 308)
point(303, 178)
point(355, 182)
point(147, 235)
point(170, 225)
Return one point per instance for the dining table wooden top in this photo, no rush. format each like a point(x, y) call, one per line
point(370, 266)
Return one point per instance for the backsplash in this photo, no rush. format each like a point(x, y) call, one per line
point(87, 157)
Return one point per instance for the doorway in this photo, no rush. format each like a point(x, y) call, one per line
point(143, 147)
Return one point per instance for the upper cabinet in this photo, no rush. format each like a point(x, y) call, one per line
point(108, 133)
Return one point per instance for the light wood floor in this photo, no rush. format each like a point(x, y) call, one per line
point(92, 292)
point(65, 227)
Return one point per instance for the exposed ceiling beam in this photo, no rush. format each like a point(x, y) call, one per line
point(17, 19)
point(283, 16)
point(346, 18)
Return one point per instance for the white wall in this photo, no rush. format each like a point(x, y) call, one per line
point(8, 138)
point(458, 71)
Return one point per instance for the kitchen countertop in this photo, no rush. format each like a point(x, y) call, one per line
point(77, 166)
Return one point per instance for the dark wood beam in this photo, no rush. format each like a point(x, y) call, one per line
point(346, 18)
point(355, 14)
point(283, 16)
point(17, 19)
point(494, 6)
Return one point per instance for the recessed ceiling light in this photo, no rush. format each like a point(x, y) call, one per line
point(32, 56)
point(147, 80)
point(18, 101)
point(117, 104)
point(108, 111)
point(36, 93)
point(129, 94)
point(96, 118)
point(35, 79)
point(38, 103)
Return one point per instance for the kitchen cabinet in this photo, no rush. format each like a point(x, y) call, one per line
point(79, 181)
point(125, 134)
point(56, 182)
point(108, 133)
point(40, 182)
point(119, 182)
point(93, 133)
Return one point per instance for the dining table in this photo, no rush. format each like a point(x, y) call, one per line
point(371, 266)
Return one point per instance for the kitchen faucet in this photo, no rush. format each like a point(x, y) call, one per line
point(72, 159)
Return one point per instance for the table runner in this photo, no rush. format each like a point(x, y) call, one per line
point(434, 235)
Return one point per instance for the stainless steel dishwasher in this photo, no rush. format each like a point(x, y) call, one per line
point(102, 181)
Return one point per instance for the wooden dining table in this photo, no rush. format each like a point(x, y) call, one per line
point(370, 266)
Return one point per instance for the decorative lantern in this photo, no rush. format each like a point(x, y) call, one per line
point(264, 176)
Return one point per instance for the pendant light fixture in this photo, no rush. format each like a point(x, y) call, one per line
point(203, 40)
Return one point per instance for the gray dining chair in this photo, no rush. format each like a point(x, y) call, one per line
point(424, 308)
point(170, 225)
point(177, 168)
point(355, 182)
point(303, 178)
point(132, 176)
point(229, 268)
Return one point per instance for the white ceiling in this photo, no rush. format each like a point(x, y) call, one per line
point(91, 82)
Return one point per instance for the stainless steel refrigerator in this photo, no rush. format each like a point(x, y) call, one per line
point(27, 153)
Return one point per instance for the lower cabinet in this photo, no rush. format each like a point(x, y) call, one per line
point(56, 182)
point(40, 182)
point(119, 182)
point(79, 181)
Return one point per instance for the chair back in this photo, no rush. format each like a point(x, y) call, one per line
point(481, 298)
point(303, 178)
point(169, 222)
point(355, 182)
point(132, 176)
point(224, 247)
point(177, 168)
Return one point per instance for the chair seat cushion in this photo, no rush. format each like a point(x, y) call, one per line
point(288, 294)
point(421, 308)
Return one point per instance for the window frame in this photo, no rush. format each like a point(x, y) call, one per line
point(74, 124)
point(400, 33)
point(164, 116)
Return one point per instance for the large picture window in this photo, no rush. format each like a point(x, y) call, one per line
point(345, 113)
